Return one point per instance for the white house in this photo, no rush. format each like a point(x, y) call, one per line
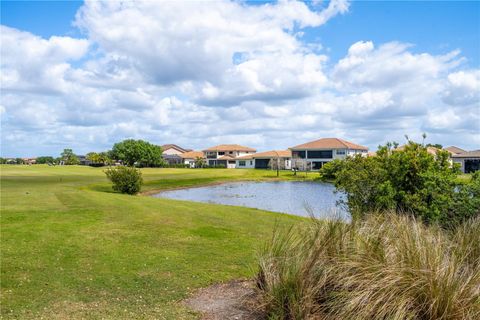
point(264, 160)
point(314, 154)
point(191, 156)
point(225, 154)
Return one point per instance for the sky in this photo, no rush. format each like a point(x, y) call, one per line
point(268, 75)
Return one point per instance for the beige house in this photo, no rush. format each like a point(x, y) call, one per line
point(191, 157)
point(314, 154)
point(171, 153)
point(225, 154)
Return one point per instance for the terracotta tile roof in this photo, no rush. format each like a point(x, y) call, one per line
point(329, 143)
point(174, 146)
point(230, 147)
point(227, 157)
point(192, 155)
point(468, 154)
point(455, 150)
point(267, 154)
point(245, 157)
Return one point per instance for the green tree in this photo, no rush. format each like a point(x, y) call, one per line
point(19, 161)
point(409, 180)
point(68, 157)
point(45, 159)
point(138, 152)
point(200, 162)
point(3, 160)
point(92, 157)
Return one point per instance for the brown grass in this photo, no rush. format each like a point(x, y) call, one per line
point(385, 267)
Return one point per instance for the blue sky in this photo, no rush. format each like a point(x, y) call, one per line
point(431, 44)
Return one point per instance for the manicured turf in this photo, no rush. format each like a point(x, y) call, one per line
point(71, 248)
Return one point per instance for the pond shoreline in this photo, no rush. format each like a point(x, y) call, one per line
point(216, 183)
point(297, 197)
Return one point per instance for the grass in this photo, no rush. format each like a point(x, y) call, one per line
point(386, 267)
point(72, 248)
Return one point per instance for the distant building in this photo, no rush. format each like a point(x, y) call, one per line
point(84, 161)
point(191, 157)
point(171, 153)
point(264, 160)
point(225, 154)
point(314, 154)
point(469, 161)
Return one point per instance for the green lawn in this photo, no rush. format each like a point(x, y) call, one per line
point(71, 248)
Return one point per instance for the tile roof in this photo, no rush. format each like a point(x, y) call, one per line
point(268, 154)
point(455, 150)
point(192, 155)
point(468, 154)
point(227, 157)
point(230, 147)
point(174, 146)
point(329, 143)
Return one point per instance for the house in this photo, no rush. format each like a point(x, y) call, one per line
point(314, 154)
point(83, 161)
point(225, 154)
point(264, 160)
point(171, 153)
point(469, 161)
point(29, 161)
point(191, 157)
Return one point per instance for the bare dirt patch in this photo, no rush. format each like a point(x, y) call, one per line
point(235, 300)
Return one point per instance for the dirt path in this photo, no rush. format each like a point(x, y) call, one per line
point(235, 300)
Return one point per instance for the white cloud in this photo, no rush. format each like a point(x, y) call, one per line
point(202, 73)
point(463, 88)
point(33, 64)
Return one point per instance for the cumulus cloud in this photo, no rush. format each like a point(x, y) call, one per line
point(202, 73)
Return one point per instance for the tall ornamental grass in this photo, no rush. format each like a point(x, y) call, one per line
point(383, 267)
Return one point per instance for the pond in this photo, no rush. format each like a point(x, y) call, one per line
point(293, 197)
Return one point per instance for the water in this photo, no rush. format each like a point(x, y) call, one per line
point(294, 197)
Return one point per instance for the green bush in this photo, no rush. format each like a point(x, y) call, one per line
point(125, 179)
point(407, 180)
point(385, 266)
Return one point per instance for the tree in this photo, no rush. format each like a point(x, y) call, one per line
point(92, 157)
point(199, 162)
point(138, 152)
point(407, 181)
point(45, 160)
point(19, 161)
point(68, 157)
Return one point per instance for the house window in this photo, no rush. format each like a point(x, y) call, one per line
point(321, 154)
point(221, 153)
point(241, 163)
point(298, 154)
point(230, 152)
point(341, 152)
point(251, 162)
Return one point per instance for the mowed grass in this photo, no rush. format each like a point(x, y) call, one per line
point(72, 248)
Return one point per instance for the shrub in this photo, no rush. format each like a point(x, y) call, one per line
point(383, 267)
point(408, 179)
point(125, 179)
